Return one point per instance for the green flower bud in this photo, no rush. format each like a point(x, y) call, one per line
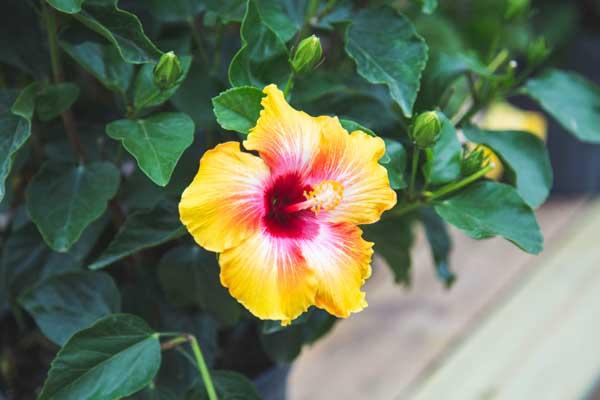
point(473, 161)
point(425, 132)
point(167, 71)
point(307, 55)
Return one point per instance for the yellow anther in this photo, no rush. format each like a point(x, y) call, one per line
point(325, 196)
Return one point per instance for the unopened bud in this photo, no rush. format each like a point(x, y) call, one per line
point(307, 55)
point(426, 130)
point(473, 161)
point(167, 71)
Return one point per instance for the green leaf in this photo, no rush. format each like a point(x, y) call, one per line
point(526, 157)
point(395, 163)
point(238, 109)
point(53, 100)
point(571, 99)
point(393, 238)
point(190, 277)
point(156, 142)
point(65, 304)
point(67, 6)
point(284, 345)
point(276, 19)
point(440, 244)
point(146, 94)
point(227, 10)
point(174, 10)
point(121, 28)
point(395, 55)
point(115, 357)
point(229, 385)
point(263, 57)
point(15, 127)
point(487, 209)
point(352, 126)
point(63, 199)
point(142, 230)
point(442, 163)
point(98, 57)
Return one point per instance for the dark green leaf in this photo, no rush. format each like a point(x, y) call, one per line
point(115, 357)
point(175, 10)
point(121, 28)
point(395, 163)
point(190, 276)
point(52, 100)
point(229, 386)
point(156, 142)
point(263, 57)
point(268, 326)
point(238, 109)
point(227, 10)
point(146, 94)
point(274, 16)
point(67, 6)
point(63, 199)
point(99, 57)
point(15, 127)
point(395, 55)
point(442, 164)
point(487, 209)
point(393, 238)
point(525, 155)
point(65, 304)
point(571, 99)
point(140, 231)
point(352, 126)
point(440, 244)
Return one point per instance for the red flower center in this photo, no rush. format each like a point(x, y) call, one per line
point(284, 191)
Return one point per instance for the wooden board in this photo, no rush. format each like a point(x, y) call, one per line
point(385, 351)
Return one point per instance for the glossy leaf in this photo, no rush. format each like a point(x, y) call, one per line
point(67, 6)
point(63, 199)
point(487, 209)
point(146, 94)
point(99, 57)
point(395, 163)
point(238, 109)
point(115, 357)
point(52, 100)
point(352, 126)
point(227, 10)
point(393, 238)
point(443, 160)
point(263, 57)
point(394, 56)
point(65, 304)
point(190, 277)
point(229, 385)
point(121, 28)
point(440, 245)
point(16, 112)
point(571, 99)
point(525, 155)
point(156, 142)
point(142, 230)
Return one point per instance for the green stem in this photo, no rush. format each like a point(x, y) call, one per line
point(413, 173)
point(454, 186)
point(289, 85)
point(202, 368)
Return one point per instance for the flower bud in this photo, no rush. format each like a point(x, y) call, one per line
point(167, 71)
point(307, 55)
point(426, 130)
point(478, 157)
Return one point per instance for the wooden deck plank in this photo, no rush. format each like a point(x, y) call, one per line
point(543, 342)
point(384, 351)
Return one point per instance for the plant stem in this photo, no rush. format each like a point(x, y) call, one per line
point(202, 368)
point(454, 186)
point(57, 73)
point(413, 173)
point(289, 85)
point(197, 40)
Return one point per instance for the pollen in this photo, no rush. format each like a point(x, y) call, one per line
point(325, 196)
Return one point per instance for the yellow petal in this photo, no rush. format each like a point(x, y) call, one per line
point(352, 160)
point(224, 203)
point(269, 276)
point(503, 116)
point(342, 261)
point(285, 138)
